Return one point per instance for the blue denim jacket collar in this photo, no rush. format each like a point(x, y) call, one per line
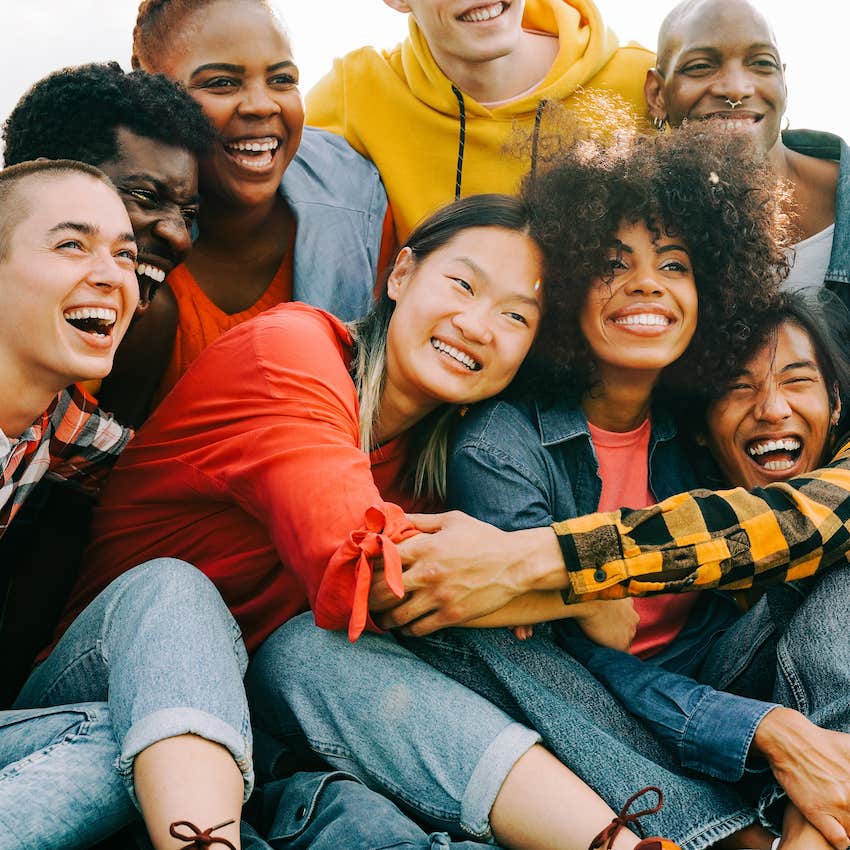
point(830, 146)
point(561, 422)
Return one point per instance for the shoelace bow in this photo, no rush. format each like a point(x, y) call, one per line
point(624, 819)
point(200, 839)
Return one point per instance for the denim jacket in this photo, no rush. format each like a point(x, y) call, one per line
point(339, 205)
point(521, 465)
point(829, 146)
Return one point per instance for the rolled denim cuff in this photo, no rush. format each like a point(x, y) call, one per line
point(719, 732)
point(492, 769)
point(171, 722)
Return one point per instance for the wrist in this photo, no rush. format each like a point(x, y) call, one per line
point(536, 560)
point(778, 733)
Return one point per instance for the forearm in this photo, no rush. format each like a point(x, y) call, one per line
point(536, 606)
point(730, 539)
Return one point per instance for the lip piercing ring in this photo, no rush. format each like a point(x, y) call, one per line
point(734, 104)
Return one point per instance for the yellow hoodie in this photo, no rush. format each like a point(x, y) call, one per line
point(398, 109)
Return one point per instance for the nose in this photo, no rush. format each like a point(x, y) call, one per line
point(257, 101)
point(733, 83)
point(771, 404)
point(644, 281)
point(473, 322)
point(106, 272)
point(173, 230)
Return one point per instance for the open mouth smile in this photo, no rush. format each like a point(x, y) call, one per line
point(483, 13)
point(256, 154)
point(458, 356)
point(98, 321)
point(777, 455)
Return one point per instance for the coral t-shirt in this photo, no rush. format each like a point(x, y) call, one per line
point(624, 469)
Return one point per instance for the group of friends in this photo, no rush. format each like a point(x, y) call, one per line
point(588, 298)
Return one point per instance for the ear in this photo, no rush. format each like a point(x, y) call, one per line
point(402, 269)
point(836, 411)
point(653, 92)
point(398, 5)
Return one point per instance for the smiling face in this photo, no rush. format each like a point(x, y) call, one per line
point(464, 320)
point(68, 287)
point(159, 186)
point(721, 63)
point(774, 420)
point(234, 58)
point(466, 31)
point(644, 317)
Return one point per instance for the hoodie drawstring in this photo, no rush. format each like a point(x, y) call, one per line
point(535, 138)
point(461, 140)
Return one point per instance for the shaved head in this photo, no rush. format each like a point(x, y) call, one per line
point(687, 20)
point(13, 195)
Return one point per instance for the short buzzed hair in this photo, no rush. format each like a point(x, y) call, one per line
point(13, 206)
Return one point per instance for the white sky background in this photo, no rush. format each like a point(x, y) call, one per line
point(39, 36)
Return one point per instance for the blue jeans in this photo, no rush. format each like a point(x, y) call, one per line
point(539, 684)
point(160, 645)
point(328, 811)
point(372, 708)
point(791, 648)
point(59, 789)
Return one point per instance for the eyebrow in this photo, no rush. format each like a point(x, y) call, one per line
point(660, 249)
point(161, 187)
point(790, 367)
point(516, 296)
point(87, 230)
point(716, 51)
point(239, 69)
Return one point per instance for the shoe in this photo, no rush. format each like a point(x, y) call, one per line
point(605, 839)
point(200, 840)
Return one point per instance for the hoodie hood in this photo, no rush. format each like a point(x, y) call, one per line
point(585, 47)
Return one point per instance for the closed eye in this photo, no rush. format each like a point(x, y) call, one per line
point(674, 266)
point(143, 195)
point(516, 317)
point(462, 284)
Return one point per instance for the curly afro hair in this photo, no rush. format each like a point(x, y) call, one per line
point(707, 188)
point(75, 113)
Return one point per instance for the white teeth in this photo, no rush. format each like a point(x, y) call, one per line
point(460, 356)
point(778, 465)
point(151, 271)
point(789, 444)
point(643, 319)
point(256, 162)
point(254, 145)
point(105, 313)
point(484, 13)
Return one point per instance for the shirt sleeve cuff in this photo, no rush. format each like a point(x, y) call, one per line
point(589, 555)
point(719, 733)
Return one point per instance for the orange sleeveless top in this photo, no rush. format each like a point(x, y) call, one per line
point(201, 322)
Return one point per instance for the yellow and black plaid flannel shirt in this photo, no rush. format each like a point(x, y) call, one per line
point(729, 539)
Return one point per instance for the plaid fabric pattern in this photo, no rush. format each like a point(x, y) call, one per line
point(730, 539)
point(72, 440)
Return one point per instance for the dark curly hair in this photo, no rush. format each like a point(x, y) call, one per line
point(707, 188)
point(75, 113)
point(157, 22)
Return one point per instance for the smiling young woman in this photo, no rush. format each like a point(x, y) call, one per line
point(274, 194)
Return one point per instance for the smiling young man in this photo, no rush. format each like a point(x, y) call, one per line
point(146, 134)
point(718, 61)
point(67, 293)
point(436, 113)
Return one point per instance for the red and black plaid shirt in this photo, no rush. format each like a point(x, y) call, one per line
point(72, 441)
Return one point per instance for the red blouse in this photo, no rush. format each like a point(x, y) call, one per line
point(250, 470)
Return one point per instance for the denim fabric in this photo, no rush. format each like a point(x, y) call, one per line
point(374, 709)
point(339, 205)
point(708, 730)
point(329, 811)
point(829, 146)
point(59, 786)
point(161, 646)
point(524, 465)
